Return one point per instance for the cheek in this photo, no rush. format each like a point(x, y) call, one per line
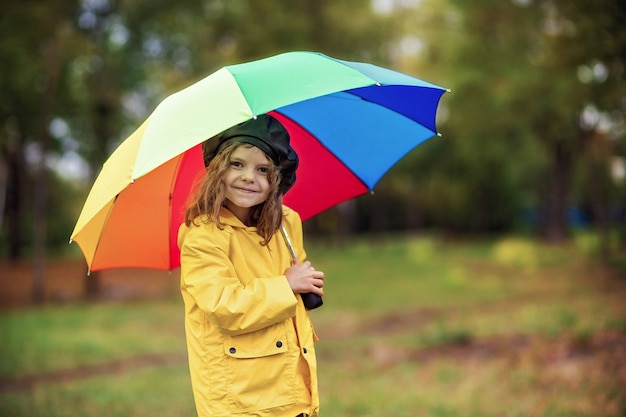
point(227, 177)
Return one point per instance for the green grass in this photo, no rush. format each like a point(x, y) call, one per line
point(60, 337)
point(162, 391)
point(410, 326)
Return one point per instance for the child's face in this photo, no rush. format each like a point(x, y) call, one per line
point(246, 180)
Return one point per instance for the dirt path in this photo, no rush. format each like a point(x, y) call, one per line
point(561, 356)
point(111, 368)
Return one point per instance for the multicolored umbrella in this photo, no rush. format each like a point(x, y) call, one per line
point(349, 122)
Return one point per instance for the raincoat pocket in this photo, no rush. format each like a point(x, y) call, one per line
point(260, 368)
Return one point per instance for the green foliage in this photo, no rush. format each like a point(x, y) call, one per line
point(521, 73)
point(512, 136)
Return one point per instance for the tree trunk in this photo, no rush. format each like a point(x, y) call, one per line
point(40, 201)
point(555, 196)
point(378, 216)
point(4, 180)
point(103, 112)
point(414, 215)
point(93, 286)
point(346, 212)
point(600, 205)
point(621, 225)
point(13, 154)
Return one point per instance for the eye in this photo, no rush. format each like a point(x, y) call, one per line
point(236, 164)
point(264, 170)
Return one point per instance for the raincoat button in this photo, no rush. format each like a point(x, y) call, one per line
point(304, 350)
point(232, 350)
point(279, 344)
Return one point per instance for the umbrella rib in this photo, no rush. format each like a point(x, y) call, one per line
point(170, 214)
point(95, 251)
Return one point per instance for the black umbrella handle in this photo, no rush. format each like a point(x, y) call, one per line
point(311, 300)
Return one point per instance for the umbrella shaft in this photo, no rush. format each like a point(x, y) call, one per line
point(283, 231)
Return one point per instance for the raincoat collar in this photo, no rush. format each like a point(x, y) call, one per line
point(229, 219)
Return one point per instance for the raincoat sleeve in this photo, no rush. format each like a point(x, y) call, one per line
point(210, 277)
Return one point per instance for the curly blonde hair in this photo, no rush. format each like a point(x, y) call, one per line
point(210, 196)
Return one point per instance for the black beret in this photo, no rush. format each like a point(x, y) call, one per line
point(267, 134)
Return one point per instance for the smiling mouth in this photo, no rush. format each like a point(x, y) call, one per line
point(246, 190)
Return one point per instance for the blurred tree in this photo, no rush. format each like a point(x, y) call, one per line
point(578, 38)
point(537, 88)
point(35, 52)
point(523, 74)
point(96, 68)
point(592, 38)
point(466, 180)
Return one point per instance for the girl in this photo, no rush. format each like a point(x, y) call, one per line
point(249, 337)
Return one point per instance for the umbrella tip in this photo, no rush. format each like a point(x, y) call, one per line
point(439, 134)
point(448, 90)
point(70, 242)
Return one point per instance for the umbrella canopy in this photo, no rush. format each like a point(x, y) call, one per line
point(349, 122)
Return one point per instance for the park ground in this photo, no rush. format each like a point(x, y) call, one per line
point(549, 340)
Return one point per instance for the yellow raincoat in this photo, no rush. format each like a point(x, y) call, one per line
point(249, 338)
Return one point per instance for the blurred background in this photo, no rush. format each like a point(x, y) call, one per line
point(533, 131)
point(530, 167)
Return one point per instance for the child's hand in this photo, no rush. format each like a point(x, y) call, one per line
point(303, 278)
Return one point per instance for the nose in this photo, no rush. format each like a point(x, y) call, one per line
point(247, 175)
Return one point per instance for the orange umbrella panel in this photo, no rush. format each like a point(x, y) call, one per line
point(138, 228)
